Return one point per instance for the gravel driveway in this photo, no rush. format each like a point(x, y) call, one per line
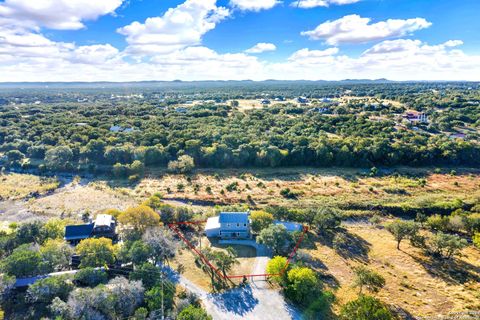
point(254, 301)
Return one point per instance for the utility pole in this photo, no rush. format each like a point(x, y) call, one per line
point(161, 279)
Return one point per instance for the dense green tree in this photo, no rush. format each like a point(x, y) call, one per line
point(96, 252)
point(275, 237)
point(370, 279)
point(56, 254)
point(94, 150)
point(278, 267)
point(225, 260)
point(303, 286)
point(327, 219)
point(23, 262)
point(30, 232)
point(446, 245)
point(90, 277)
point(45, 290)
point(149, 274)
point(321, 307)
point(160, 296)
point(438, 223)
point(365, 308)
point(139, 218)
point(260, 220)
point(184, 164)
point(58, 158)
point(139, 252)
point(14, 156)
point(193, 313)
point(402, 230)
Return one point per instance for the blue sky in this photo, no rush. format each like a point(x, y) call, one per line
point(208, 39)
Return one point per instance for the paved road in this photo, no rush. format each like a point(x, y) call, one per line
point(25, 282)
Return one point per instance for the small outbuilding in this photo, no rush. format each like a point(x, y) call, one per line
point(290, 226)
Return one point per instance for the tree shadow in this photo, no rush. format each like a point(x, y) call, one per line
point(453, 271)
point(353, 247)
point(308, 242)
point(401, 313)
point(239, 300)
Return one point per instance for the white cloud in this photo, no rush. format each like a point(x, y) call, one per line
point(25, 46)
point(178, 28)
point(355, 29)
point(94, 54)
point(307, 56)
point(407, 46)
point(199, 63)
point(400, 59)
point(262, 47)
point(254, 5)
point(308, 4)
point(54, 14)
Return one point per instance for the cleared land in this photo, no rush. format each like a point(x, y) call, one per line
point(350, 189)
point(17, 186)
point(76, 199)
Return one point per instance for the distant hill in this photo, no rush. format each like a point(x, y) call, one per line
point(177, 83)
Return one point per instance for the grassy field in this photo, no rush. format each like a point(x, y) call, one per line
point(414, 283)
point(351, 190)
point(345, 188)
point(74, 200)
point(17, 186)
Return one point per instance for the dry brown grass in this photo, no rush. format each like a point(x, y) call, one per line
point(412, 282)
point(347, 99)
point(315, 186)
point(249, 104)
point(185, 257)
point(78, 199)
point(15, 186)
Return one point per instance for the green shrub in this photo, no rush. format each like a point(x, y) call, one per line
point(91, 277)
point(476, 240)
point(365, 308)
point(321, 307)
point(193, 313)
point(303, 285)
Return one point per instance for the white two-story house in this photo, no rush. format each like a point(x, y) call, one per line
point(229, 225)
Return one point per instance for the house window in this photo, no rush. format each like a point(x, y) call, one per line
point(238, 224)
point(244, 224)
